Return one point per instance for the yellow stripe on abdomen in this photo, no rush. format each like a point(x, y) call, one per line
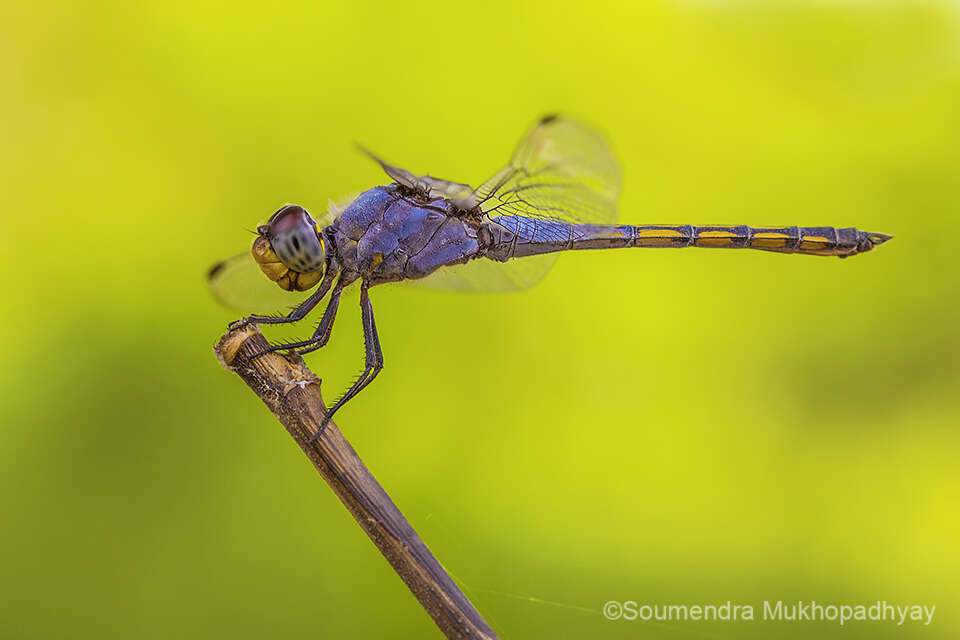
point(662, 236)
point(769, 240)
point(818, 241)
point(823, 241)
point(721, 237)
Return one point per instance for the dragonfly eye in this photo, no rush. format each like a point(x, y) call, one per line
point(289, 249)
point(293, 237)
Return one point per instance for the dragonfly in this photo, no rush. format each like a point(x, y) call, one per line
point(558, 193)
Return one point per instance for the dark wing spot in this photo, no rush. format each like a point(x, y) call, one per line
point(547, 119)
point(215, 269)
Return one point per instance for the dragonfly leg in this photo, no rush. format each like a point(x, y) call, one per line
point(322, 333)
point(373, 360)
point(297, 313)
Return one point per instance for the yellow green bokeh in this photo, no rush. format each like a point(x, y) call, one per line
point(663, 426)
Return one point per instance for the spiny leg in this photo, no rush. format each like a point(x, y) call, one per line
point(373, 359)
point(297, 313)
point(322, 333)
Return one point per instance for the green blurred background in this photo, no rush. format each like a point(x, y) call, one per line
point(690, 426)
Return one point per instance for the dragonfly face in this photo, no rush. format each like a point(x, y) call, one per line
point(289, 249)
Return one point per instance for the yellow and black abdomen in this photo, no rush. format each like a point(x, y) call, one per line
point(820, 241)
point(518, 236)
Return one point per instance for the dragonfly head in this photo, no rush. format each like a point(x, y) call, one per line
point(289, 249)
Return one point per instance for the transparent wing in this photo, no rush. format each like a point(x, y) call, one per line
point(238, 283)
point(488, 276)
point(461, 194)
point(562, 171)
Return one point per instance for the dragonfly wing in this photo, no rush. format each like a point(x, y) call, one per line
point(488, 276)
point(400, 175)
point(461, 194)
point(562, 170)
point(239, 284)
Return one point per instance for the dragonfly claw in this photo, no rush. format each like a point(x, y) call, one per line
point(291, 349)
point(323, 427)
point(238, 324)
point(260, 353)
point(269, 349)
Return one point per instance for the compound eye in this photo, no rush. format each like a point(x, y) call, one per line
point(293, 237)
point(287, 217)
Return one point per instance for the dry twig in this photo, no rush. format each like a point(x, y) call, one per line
point(292, 392)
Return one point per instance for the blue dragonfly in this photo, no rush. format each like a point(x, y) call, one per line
point(558, 193)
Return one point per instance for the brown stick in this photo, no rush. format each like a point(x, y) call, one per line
point(292, 392)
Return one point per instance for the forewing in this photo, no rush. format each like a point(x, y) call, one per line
point(562, 171)
point(489, 276)
point(399, 174)
point(238, 283)
point(461, 194)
